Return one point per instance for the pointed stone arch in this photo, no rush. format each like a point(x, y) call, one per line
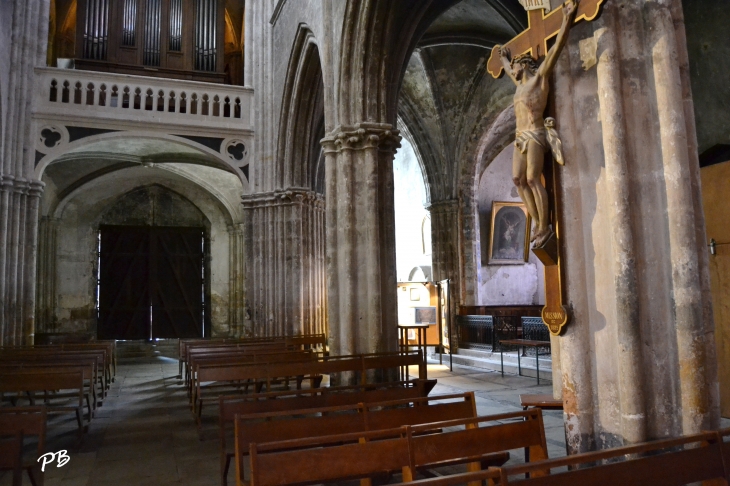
point(302, 115)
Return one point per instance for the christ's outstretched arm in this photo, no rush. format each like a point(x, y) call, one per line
point(569, 9)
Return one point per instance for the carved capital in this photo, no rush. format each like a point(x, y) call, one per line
point(380, 136)
point(287, 197)
point(36, 188)
point(7, 182)
point(22, 185)
point(445, 206)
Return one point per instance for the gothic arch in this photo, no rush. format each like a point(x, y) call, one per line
point(207, 155)
point(302, 115)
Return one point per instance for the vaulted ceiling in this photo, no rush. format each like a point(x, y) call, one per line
point(447, 99)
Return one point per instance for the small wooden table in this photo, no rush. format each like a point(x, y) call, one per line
point(544, 402)
point(523, 343)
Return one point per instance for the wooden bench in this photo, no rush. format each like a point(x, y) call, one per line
point(11, 455)
point(245, 356)
point(230, 406)
point(35, 381)
point(28, 422)
point(725, 447)
point(328, 458)
point(669, 462)
point(301, 341)
point(216, 373)
point(88, 368)
point(325, 460)
point(267, 372)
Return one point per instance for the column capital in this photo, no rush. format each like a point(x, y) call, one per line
point(22, 185)
point(381, 136)
point(36, 188)
point(7, 182)
point(443, 206)
point(283, 197)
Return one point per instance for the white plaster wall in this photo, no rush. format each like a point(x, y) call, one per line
point(76, 251)
point(410, 211)
point(504, 284)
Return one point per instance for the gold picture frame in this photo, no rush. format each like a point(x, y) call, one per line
point(509, 235)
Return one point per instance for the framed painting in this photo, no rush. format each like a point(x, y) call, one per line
point(509, 236)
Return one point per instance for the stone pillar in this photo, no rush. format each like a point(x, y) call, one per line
point(361, 271)
point(236, 281)
point(446, 241)
point(46, 274)
point(637, 358)
point(283, 241)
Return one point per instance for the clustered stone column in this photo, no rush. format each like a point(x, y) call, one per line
point(637, 359)
point(19, 206)
point(284, 248)
point(361, 270)
point(446, 240)
point(19, 191)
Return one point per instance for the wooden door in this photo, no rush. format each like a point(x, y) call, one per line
point(176, 283)
point(124, 296)
point(151, 282)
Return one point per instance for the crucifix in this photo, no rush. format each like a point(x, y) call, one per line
point(530, 69)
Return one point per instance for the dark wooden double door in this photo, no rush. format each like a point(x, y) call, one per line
point(151, 282)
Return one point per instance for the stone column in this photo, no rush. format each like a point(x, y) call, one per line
point(235, 281)
point(284, 260)
point(446, 240)
point(35, 191)
point(361, 272)
point(46, 274)
point(637, 358)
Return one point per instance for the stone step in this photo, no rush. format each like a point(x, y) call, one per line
point(142, 349)
point(491, 361)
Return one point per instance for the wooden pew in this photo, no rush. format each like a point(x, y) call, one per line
point(230, 406)
point(267, 372)
point(46, 353)
point(11, 455)
point(29, 422)
point(429, 445)
point(320, 460)
point(669, 462)
point(88, 368)
point(309, 423)
point(220, 387)
point(301, 341)
point(49, 379)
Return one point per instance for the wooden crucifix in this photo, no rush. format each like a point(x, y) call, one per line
point(541, 28)
point(535, 136)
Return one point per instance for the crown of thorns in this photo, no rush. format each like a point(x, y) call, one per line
point(527, 61)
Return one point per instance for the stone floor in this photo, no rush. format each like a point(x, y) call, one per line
point(144, 433)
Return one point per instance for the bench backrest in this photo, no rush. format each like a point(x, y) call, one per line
point(658, 463)
point(375, 452)
point(30, 421)
point(43, 379)
point(515, 430)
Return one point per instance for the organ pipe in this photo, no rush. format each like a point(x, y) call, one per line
point(96, 29)
point(129, 23)
point(152, 33)
point(176, 25)
point(205, 35)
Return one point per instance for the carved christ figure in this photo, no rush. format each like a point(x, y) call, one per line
point(535, 136)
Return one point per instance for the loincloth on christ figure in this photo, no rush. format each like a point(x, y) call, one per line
point(547, 138)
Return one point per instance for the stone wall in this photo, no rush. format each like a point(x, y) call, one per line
point(141, 197)
point(504, 284)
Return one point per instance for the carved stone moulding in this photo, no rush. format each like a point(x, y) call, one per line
point(285, 197)
point(381, 136)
